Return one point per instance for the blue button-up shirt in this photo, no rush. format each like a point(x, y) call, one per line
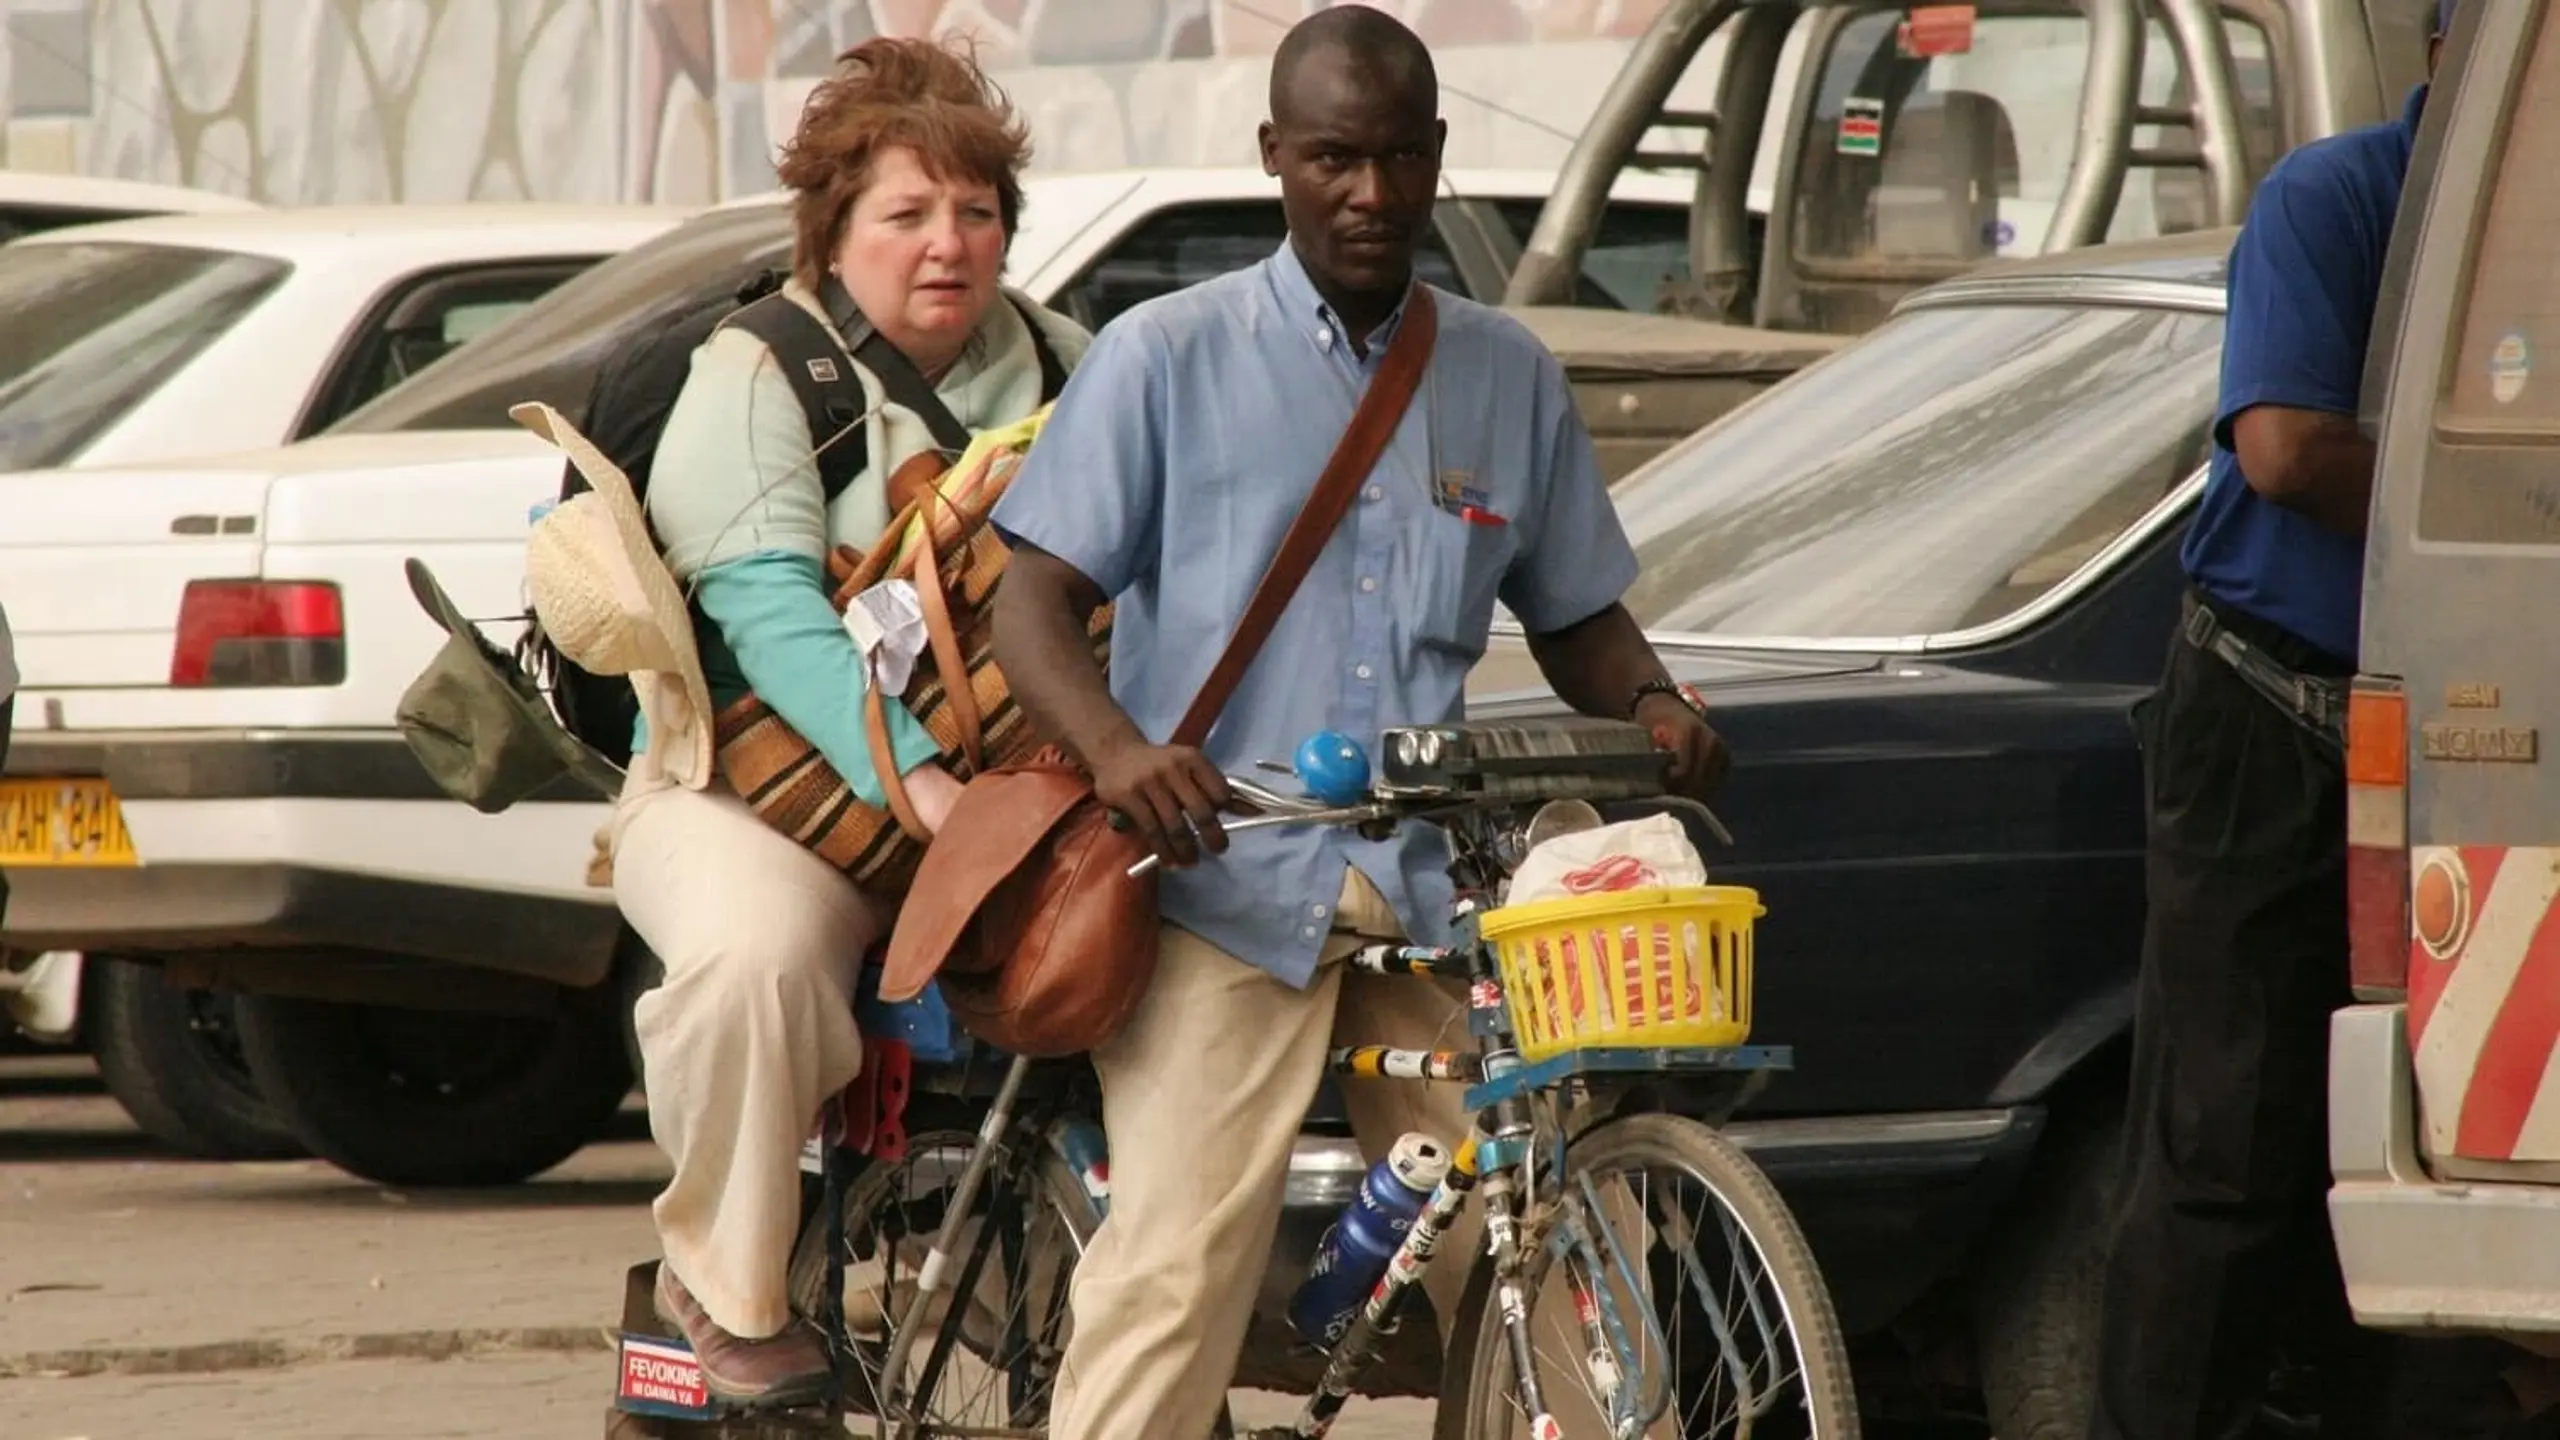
point(1180, 452)
point(2306, 274)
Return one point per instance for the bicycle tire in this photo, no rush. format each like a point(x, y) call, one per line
point(1677, 1142)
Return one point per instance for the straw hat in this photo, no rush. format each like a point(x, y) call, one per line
point(606, 598)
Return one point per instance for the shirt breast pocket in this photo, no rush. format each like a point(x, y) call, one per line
point(1462, 565)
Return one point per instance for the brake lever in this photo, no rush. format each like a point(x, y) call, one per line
point(1342, 815)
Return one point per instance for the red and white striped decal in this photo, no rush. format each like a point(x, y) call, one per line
point(2484, 1000)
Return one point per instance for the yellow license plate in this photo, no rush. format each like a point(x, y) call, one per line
point(62, 822)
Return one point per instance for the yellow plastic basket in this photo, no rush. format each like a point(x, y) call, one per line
point(1633, 969)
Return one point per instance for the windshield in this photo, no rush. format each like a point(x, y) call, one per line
point(1938, 475)
point(1638, 247)
point(92, 329)
point(552, 349)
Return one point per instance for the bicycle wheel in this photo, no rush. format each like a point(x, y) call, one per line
point(987, 1359)
point(1721, 1293)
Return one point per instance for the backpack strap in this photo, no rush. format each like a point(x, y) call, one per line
point(822, 376)
point(832, 396)
point(899, 379)
point(1053, 371)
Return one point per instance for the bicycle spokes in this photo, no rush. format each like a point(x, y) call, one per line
point(1643, 1318)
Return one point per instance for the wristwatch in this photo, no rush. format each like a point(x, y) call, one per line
point(1686, 694)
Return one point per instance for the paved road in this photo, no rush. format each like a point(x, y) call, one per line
point(148, 1298)
point(495, 1397)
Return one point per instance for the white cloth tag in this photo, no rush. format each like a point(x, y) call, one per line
point(887, 625)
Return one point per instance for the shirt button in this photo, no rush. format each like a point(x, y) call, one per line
point(1363, 671)
point(1375, 492)
point(1308, 931)
point(1368, 583)
point(1324, 336)
point(1320, 911)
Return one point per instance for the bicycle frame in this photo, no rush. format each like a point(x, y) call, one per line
point(1493, 1158)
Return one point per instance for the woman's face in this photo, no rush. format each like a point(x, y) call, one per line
point(921, 256)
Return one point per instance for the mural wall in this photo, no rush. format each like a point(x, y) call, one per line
point(683, 100)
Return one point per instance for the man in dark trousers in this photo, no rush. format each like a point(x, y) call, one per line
point(2245, 954)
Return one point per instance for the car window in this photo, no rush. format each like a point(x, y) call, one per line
point(1958, 153)
point(424, 320)
point(550, 350)
point(1639, 246)
point(17, 220)
point(1183, 245)
point(92, 329)
point(1943, 472)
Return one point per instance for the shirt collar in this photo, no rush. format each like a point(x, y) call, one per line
point(1299, 300)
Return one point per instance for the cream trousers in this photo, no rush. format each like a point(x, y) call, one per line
point(1203, 1095)
point(751, 1032)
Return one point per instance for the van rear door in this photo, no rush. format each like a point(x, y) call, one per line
point(2462, 623)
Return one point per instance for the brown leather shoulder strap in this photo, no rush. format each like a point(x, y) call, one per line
point(1382, 408)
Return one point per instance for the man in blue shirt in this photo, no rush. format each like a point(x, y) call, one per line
point(1180, 452)
point(2222, 1242)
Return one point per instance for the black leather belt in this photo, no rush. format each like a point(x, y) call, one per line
point(2318, 703)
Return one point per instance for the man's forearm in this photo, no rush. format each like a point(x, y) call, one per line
point(1596, 664)
point(2336, 466)
point(2317, 465)
point(1042, 613)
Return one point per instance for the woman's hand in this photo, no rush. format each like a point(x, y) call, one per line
point(933, 791)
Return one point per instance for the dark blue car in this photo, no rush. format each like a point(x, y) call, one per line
point(1923, 583)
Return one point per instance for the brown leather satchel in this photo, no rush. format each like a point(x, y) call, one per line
point(1023, 905)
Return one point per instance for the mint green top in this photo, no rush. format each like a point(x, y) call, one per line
point(736, 500)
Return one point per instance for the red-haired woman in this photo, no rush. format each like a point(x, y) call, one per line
point(906, 169)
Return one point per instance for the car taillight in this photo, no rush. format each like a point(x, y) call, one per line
point(2378, 840)
point(260, 632)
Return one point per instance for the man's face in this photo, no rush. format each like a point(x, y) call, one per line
point(1359, 167)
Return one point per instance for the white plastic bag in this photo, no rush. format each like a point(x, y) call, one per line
point(1630, 855)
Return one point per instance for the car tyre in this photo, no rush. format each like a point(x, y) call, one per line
point(2036, 1303)
point(439, 1098)
point(171, 1057)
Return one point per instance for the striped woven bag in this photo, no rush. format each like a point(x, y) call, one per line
point(942, 544)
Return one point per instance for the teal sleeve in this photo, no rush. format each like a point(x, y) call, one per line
point(772, 610)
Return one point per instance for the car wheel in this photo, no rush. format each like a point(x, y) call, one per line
point(172, 1059)
point(2036, 1302)
point(433, 1098)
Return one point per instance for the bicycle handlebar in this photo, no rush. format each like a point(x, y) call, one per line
point(1337, 761)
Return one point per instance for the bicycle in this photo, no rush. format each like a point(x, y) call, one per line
point(1561, 1100)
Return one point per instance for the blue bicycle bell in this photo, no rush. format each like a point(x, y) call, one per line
point(1333, 768)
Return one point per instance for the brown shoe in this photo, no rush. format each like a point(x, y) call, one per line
point(787, 1369)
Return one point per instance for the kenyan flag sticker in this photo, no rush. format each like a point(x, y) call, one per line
point(1861, 126)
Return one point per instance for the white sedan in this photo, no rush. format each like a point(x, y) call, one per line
point(206, 768)
point(33, 200)
point(149, 322)
point(148, 339)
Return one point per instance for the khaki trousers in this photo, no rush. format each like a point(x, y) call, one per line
point(750, 1034)
point(1203, 1095)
